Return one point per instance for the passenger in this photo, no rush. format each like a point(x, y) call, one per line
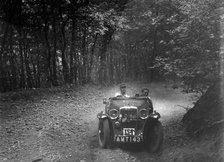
point(145, 92)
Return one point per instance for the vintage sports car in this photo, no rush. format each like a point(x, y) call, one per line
point(130, 120)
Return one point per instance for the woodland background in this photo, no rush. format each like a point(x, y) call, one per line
point(45, 43)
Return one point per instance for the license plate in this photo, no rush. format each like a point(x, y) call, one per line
point(129, 131)
point(134, 139)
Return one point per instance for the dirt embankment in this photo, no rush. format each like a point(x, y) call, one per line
point(205, 121)
point(207, 112)
point(60, 125)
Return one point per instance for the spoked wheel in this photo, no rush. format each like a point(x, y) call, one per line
point(155, 137)
point(104, 133)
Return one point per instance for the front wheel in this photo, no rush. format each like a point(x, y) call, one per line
point(104, 133)
point(154, 138)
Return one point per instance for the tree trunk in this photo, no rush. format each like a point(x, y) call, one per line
point(112, 68)
point(34, 73)
point(84, 55)
point(28, 71)
point(38, 70)
point(3, 82)
point(105, 41)
point(75, 68)
point(64, 62)
point(13, 63)
point(54, 56)
point(91, 57)
point(48, 54)
point(72, 52)
point(22, 73)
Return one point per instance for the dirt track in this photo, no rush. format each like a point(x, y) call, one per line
point(61, 126)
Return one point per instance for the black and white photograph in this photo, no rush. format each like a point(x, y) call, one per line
point(111, 80)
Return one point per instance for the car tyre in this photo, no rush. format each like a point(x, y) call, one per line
point(104, 133)
point(154, 139)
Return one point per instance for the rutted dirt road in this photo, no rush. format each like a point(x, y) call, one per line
point(61, 125)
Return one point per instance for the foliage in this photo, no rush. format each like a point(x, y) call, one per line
point(45, 43)
point(195, 55)
point(178, 40)
point(49, 43)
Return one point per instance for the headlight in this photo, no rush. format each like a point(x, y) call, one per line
point(143, 114)
point(113, 113)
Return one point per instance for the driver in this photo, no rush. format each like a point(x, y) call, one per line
point(122, 91)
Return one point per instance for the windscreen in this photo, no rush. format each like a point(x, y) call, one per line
point(128, 102)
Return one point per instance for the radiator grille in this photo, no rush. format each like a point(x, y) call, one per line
point(128, 114)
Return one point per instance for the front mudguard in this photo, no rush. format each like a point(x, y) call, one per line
point(153, 138)
point(102, 116)
point(152, 119)
point(155, 115)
